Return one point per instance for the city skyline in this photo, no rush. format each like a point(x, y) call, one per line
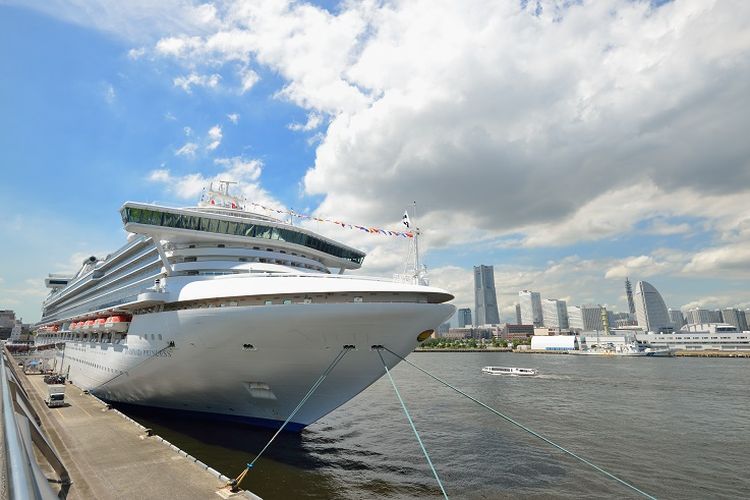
point(568, 145)
point(650, 312)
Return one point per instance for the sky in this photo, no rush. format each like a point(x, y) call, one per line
point(570, 144)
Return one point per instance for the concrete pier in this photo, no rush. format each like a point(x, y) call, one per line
point(109, 456)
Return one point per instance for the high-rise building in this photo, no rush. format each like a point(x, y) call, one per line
point(585, 318)
point(676, 317)
point(555, 313)
point(629, 293)
point(518, 314)
point(732, 317)
point(531, 308)
point(697, 316)
point(485, 297)
point(746, 315)
point(464, 317)
point(7, 321)
point(650, 308)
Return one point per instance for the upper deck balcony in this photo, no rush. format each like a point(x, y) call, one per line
point(196, 224)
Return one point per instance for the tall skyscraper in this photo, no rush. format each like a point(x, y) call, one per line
point(531, 308)
point(555, 313)
point(732, 317)
point(586, 318)
point(485, 297)
point(629, 293)
point(464, 317)
point(697, 316)
point(518, 314)
point(676, 317)
point(650, 308)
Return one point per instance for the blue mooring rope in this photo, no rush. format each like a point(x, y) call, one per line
point(517, 424)
point(294, 412)
point(413, 427)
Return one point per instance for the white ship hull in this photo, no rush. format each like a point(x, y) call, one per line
point(209, 371)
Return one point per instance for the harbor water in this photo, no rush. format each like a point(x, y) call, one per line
point(675, 428)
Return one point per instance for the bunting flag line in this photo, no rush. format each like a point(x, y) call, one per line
point(345, 225)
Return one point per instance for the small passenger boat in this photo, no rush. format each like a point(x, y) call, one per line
point(510, 370)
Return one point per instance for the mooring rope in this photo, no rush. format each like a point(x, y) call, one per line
point(523, 427)
point(236, 482)
point(413, 427)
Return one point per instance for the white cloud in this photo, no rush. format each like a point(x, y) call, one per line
point(186, 83)
point(110, 95)
point(188, 150)
point(237, 169)
point(136, 53)
point(732, 260)
point(314, 120)
point(664, 228)
point(248, 79)
point(188, 131)
point(641, 266)
point(214, 137)
point(234, 118)
point(138, 21)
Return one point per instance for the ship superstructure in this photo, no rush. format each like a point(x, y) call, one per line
point(218, 310)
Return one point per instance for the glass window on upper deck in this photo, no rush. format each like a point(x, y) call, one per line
point(197, 223)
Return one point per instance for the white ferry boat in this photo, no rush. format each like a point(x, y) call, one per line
point(510, 370)
point(232, 314)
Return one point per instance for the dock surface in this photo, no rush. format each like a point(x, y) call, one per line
point(110, 457)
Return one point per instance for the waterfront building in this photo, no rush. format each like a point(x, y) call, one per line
point(512, 332)
point(518, 314)
point(485, 297)
point(555, 313)
point(585, 318)
point(464, 317)
point(443, 328)
point(746, 315)
point(676, 317)
point(701, 337)
point(555, 343)
point(650, 309)
point(629, 293)
point(698, 316)
point(531, 308)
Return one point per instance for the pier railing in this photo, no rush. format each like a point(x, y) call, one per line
point(20, 432)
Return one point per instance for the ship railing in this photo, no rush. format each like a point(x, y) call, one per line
point(20, 432)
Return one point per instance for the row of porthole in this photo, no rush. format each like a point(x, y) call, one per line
point(94, 365)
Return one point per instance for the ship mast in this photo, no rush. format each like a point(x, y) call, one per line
point(414, 271)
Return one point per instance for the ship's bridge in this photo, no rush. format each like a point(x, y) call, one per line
point(187, 225)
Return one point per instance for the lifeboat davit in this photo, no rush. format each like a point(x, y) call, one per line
point(98, 325)
point(118, 323)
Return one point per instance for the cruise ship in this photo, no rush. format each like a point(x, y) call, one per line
point(231, 314)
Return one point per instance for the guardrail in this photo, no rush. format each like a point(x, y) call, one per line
point(21, 431)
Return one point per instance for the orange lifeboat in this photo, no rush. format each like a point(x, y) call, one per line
point(73, 326)
point(118, 323)
point(98, 325)
point(88, 325)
